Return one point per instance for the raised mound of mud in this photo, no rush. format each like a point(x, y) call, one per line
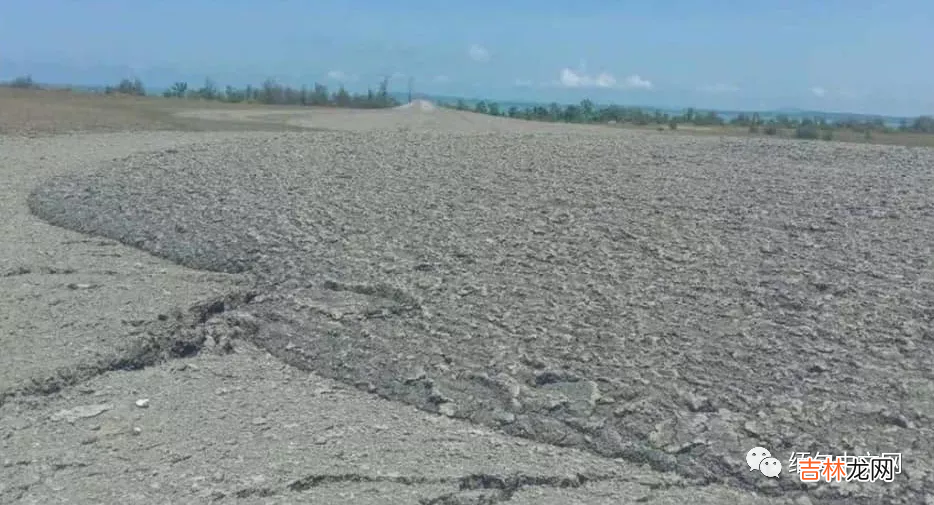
point(671, 300)
point(419, 105)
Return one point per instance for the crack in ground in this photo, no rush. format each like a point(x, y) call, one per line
point(167, 338)
point(500, 488)
point(24, 270)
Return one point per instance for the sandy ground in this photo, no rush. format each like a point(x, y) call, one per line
point(129, 378)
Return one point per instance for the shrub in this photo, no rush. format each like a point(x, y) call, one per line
point(807, 131)
point(771, 129)
point(672, 125)
point(23, 82)
point(827, 135)
point(127, 87)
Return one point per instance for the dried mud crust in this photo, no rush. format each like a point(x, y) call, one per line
point(670, 300)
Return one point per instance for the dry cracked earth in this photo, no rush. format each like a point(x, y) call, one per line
point(435, 307)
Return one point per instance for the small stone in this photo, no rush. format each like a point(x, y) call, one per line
point(896, 419)
point(257, 421)
point(137, 430)
point(89, 440)
point(504, 417)
point(142, 403)
point(818, 368)
point(448, 409)
point(802, 500)
point(416, 376)
point(435, 396)
point(752, 428)
point(82, 412)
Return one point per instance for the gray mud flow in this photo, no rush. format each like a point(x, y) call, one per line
point(670, 300)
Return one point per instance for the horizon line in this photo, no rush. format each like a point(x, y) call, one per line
point(775, 111)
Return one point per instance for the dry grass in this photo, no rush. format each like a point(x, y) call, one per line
point(42, 112)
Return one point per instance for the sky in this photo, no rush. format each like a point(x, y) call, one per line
point(831, 55)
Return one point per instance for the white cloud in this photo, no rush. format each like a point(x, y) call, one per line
point(818, 91)
point(571, 79)
point(522, 83)
point(580, 79)
point(720, 88)
point(634, 81)
point(339, 75)
point(441, 79)
point(478, 53)
point(605, 80)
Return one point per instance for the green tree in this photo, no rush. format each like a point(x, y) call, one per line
point(320, 95)
point(271, 93)
point(234, 95)
point(554, 111)
point(587, 110)
point(807, 131)
point(23, 82)
point(382, 95)
point(923, 124)
point(572, 114)
point(481, 107)
point(127, 87)
point(177, 90)
point(209, 90)
point(342, 97)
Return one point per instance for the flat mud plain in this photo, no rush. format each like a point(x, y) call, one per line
point(659, 301)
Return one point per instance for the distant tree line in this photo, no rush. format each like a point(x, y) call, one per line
point(270, 92)
point(273, 93)
point(587, 112)
point(22, 82)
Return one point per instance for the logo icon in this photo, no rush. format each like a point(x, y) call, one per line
point(759, 458)
point(770, 467)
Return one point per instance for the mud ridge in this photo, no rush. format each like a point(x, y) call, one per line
point(180, 334)
point(492, 488)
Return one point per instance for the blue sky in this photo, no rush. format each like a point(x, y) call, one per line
point(833, 55)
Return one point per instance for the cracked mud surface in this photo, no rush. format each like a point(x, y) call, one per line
point(671, 301)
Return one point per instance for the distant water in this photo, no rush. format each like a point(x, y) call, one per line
point(890, 121)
